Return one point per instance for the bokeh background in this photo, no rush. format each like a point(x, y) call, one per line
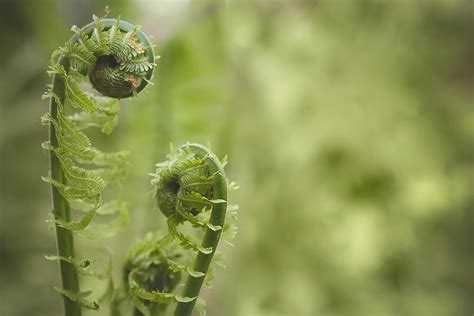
point(349, 126)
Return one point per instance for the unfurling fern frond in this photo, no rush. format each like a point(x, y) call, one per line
point(118, 60)
point(190, 187)
point(148, 276)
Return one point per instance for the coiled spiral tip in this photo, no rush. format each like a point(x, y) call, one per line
point(108, 78)
point(148, 268)
point(183, 182)
point(116, 56)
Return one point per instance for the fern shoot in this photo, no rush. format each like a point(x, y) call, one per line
point(118, 60)
point(190, 190)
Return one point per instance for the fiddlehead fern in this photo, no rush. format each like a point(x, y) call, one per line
point(147, 273)
point(191, 187)
point(117, 58)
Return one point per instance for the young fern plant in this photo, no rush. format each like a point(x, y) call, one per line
point(118, 60)
point(191, 190)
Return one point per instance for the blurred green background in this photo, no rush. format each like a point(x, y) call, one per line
point(349, 126)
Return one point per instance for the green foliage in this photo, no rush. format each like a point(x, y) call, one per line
point(116, 62)
point(190, 187)
point(349, 124)
point(151, 274)
point(80, 173)
point(79, 297)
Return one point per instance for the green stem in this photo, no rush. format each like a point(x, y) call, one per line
point(211, 238)
point(64, 238)
point(61, 209)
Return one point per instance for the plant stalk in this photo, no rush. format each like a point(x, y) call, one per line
point(61, 209)
point(64, 238)
point(211, 238)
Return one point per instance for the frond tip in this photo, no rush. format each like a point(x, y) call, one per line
point(150, 273)
point(116, 56)
point(191, 187)
point(118, 60)
point(183, 185)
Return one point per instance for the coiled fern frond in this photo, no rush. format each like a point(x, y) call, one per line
point(191, 190)
point(115, 55)
point(118, 60)
point(147, 273)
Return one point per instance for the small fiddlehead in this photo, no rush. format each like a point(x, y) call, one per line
point(190, 187)
point(148, 273)
point(117, 58)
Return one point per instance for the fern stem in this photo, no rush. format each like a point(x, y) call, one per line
point(211, 238)
point(64, 238)
point(61, 208)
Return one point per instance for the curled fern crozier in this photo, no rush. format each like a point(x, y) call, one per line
point(117, 59)
point(115, 55)
point(190, 189)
